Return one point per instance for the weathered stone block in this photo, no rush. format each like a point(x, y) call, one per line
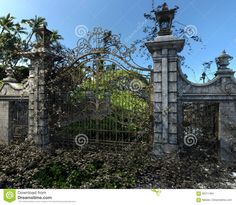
point(172, 128)
point(158, 138)
point(172, 76)
point(173, 118)
point(157, 97)
point(157, 117)
point(172, 97)
point(172, 87)
point(172, 66)
point(158, 127)
point(157, 77)
point(157, 67)
point(157, 107)
point(173, 139)
point(157, 87)
point(173, 107)
point(172, 52)
point(162, 149)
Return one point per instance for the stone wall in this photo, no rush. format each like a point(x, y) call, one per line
point(9, 92)
point(4, 122)
point(172, 89)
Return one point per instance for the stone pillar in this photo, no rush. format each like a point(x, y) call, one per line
point(164, 51)
point(31, 102)
point(38, 100)
point(42, 59)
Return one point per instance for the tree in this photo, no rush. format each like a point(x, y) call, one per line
point(16, 38)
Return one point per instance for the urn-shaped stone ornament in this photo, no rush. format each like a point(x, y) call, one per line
point(10, 75)
point(223, 60)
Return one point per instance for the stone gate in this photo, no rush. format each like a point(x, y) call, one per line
point(171, 89)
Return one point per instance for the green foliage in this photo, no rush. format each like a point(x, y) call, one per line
point(27, 166)
point(11, 41)
point(17, 37)
point(117, 84)
point(68, 175)
point(128, 101)
point(61, 175)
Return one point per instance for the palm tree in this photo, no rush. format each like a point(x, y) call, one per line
point(54, 37)
point(34, 24)
point(18, 30)
point(6, 23)
point(10, 39)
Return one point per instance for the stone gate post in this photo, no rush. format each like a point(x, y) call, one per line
point(164, 50)
point(42, 59)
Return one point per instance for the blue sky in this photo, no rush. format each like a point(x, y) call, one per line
point(215, 22)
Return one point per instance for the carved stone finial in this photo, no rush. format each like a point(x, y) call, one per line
point(10, 75)
point(223, 60)
point(222, 63)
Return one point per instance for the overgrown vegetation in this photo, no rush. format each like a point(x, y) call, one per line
point(26, 166)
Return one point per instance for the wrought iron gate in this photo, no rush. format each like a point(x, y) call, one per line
point(200, 125)
point(100, 97)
